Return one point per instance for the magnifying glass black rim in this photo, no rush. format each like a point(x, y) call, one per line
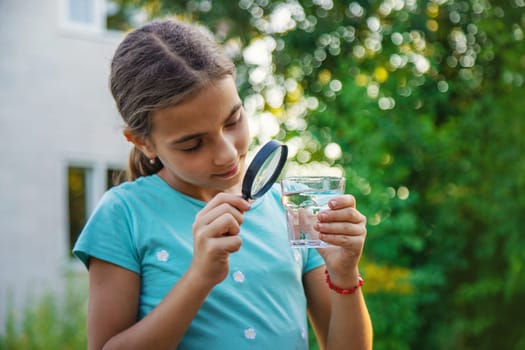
point(257, 163)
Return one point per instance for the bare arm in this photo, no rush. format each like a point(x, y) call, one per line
point(114, 291)
point(113, 308)
point(318, 303)
point(113, 301)
point(340, 321)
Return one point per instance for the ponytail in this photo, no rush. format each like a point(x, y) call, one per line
point(140, 165)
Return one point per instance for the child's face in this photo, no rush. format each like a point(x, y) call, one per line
point(203, 141)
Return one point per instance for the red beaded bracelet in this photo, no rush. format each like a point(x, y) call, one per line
point(340, 290)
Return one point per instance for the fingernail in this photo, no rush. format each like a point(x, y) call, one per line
point(332, 203)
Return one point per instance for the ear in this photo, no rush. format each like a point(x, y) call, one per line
point(143, 144)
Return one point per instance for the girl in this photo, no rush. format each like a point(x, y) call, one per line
point(176, 257)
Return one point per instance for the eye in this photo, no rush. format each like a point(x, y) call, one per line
point(194, 148)
point(235, 122)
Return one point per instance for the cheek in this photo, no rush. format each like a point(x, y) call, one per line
point(243, 141)
point(180, 163)
point(193, 169)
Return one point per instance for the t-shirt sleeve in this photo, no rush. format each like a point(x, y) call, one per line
point(313, 260)
point(108, 234)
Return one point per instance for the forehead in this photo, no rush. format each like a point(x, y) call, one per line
point(210, 106)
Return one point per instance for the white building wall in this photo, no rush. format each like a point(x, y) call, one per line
point(55, 110)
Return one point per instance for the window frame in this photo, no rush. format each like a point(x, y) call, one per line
point(97, 26)
point(96, 184)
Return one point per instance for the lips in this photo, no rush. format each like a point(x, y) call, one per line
point(229, 173)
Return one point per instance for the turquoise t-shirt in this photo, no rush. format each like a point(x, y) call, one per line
point(146, 226)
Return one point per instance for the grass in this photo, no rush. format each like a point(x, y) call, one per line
point(52, 323)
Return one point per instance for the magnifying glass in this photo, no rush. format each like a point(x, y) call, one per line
point(264, 169)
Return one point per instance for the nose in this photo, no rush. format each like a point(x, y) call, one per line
point(225, 151)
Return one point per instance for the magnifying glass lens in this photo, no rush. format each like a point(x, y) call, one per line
point(264, 169)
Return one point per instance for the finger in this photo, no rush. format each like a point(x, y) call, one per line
point(207, 217)
point(342, 201)
point(235, 201)
point(220, 204)
point(348, 214)
point(228, 244)
point(356, 242)
point(341, 228)
point(225, 225)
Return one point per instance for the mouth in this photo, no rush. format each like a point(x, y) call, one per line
point(229, 173)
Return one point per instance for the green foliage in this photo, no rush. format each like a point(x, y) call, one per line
point(312, 339)
point(53, 322)
point(394, 319)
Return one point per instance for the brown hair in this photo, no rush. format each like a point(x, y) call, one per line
point(156, 66)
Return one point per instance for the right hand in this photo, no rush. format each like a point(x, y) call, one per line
point(216, 235)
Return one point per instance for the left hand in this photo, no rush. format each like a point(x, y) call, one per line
point(344, 228)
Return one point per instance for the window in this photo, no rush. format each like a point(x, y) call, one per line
point(78, 179)
point(83, 15)
point(99, 16)
point(114, 177)
point(85, 186)
point(81, 11)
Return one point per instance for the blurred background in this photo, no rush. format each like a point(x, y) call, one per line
point(420, 104)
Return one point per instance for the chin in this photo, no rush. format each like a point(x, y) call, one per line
point(233, 184)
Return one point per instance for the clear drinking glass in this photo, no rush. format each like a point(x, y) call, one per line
point(303, 198)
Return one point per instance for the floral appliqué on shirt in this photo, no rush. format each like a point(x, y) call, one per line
point(238, 276)
point(250, 333)
point(163, 255)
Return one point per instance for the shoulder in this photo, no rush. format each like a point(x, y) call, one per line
point(122, 202)
point(133, 191)
point(130, 188)
point(110, 233)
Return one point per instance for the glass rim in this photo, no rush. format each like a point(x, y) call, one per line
point(311, 178)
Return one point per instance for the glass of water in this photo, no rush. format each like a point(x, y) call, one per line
point(303, 198)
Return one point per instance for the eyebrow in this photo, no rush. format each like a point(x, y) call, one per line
point(185, 138)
